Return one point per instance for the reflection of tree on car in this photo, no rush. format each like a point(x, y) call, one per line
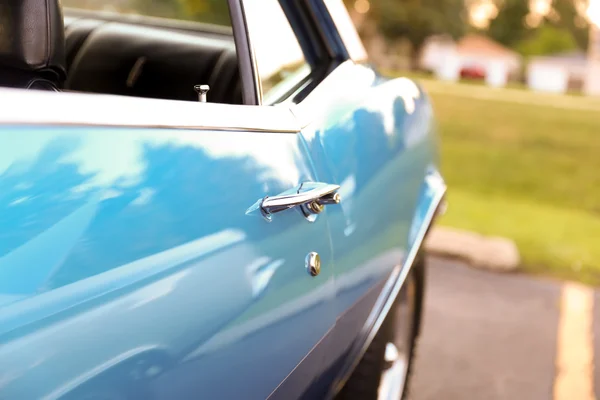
point(37, 196)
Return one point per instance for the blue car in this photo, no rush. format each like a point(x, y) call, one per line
point(207, 200)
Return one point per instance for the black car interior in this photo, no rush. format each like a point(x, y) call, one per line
point(145, 59)
point(112, 54)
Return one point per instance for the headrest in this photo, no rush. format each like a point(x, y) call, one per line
point(32, 36)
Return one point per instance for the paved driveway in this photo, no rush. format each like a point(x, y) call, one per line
point(496, 336)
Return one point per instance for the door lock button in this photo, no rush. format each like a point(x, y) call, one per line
point(313, 263)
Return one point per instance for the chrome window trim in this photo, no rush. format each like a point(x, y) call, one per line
point(33, 107)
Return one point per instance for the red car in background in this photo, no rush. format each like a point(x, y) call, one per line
point(472, 72)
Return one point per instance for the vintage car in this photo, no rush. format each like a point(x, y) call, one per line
point(190, 210)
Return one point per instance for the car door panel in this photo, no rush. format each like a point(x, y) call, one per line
point(130, 267)
point(374, 139)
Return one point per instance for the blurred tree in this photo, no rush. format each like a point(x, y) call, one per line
point(416, 20)
point(509, 27)
point(209, 11)
point(547, 39)
point(156, 8)
point(212, 11)
point(566, 16)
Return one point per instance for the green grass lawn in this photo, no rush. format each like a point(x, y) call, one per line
point(526, 166)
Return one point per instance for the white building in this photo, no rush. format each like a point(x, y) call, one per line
point(592, 81)
point(473, 55)
point(557, 73)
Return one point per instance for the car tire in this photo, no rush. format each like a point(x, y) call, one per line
point(368, 380)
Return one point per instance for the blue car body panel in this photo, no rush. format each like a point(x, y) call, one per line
point(130, 265)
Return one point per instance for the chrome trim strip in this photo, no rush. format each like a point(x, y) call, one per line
point(33, 107)
point(385, 302)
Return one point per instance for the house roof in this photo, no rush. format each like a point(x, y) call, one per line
point(483, 46)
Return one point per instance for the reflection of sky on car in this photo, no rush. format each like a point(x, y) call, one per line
point(127, 162)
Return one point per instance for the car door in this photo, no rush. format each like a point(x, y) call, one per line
point(134, 263)
point(158, 250)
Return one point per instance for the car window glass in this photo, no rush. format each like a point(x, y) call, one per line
point(279, 57)
point(208, 11)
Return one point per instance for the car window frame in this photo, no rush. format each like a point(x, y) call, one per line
point(317, 34)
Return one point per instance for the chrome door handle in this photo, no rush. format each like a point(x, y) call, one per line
point(311, 197)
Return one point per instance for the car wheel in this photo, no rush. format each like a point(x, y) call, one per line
point(384, 370)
